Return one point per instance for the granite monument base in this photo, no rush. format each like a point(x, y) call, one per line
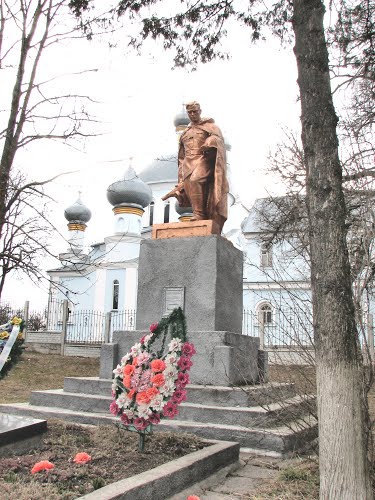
point(202, 275)
point(223, 358)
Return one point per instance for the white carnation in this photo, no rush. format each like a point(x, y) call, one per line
point(175, 345)
point(125, 358)
point(117, 370)
point(143, 411)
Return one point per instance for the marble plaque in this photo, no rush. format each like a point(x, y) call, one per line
point(173, 297)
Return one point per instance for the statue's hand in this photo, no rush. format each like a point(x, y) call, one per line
point(209, 152)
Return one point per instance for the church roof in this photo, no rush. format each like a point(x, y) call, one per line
point(253, 222)
point(163, 169)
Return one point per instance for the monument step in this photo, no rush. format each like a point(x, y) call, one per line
point(281, 441)
point(255, 416)
point(245, 396)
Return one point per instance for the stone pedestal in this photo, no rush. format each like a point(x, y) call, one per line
point(203, 275)
point(208, 271)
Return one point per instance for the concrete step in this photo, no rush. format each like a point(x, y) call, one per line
point(278, 441)
point(256, 416)
point(246, 396)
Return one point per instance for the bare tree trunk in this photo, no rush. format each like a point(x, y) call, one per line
point(342, 409)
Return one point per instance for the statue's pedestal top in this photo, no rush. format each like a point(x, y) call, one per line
point(185, 229)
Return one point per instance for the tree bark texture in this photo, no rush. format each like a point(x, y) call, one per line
point(341, 400)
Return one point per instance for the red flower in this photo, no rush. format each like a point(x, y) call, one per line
point(43, 465)
point(124, 419)
point(182, 380)
point(113, 408)
point(188, 349)
point(184, 363)
point(130, 394)
point(152, 392)
point(170, 410)
point(179, 396)
point(143, 398)
point(140, 424)
point(154, 418)
point(153, 327)
point(193, 497)
point(128, 370)
point(82, 458)
point(127, 381)
point(158, 380)
point(157, 365)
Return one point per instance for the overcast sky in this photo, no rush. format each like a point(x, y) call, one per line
point(251, 97)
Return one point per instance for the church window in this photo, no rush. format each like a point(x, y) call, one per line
point(265, 314)
point(265, 255)
point(151, 220)
point(116, 287)
point(166, 212)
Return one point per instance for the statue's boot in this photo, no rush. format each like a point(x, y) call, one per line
point(198, 202)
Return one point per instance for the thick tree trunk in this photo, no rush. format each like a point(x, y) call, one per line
point(344, 471)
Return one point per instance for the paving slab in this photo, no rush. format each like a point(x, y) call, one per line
point(18, 434)
point(235, 486)
point(254, 472)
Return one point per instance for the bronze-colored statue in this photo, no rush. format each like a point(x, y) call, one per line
point(202, 181)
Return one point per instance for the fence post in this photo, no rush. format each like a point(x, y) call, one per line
point(64, 326)
point(26, 308)
point(370, 336)
point(107, 327)
point(261, 334)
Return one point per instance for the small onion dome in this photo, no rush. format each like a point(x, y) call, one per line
point(181, 119)
point(131, 190)
point(185, 213)
point(78, 212)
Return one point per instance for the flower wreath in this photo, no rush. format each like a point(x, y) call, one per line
point(149, 386)
point(16, 349)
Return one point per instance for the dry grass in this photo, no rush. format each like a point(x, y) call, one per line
point(40, 371)
point(114, 456)
point(299, 482)
point(35, 372)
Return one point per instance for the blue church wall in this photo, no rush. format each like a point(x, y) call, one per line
point(115, 277)
point(79, 291)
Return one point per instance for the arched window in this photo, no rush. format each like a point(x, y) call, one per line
point(166, 212)
point(115, 294)
point(151, 219)
point(265, 314)
point(265, 255)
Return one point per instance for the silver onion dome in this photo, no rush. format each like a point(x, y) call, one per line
point(130, 190)
point(78, 212)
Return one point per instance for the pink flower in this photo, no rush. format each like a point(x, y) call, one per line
point(113, 408)
point(170, 410)
point(43, 465)
point(179, 396)
point(182, 380)
point(82, 458)
point(188, 349)
point(140, 424)
point(184, 363)
point(154, 418)
point(153, 327)
point(193, 497)
point(124, 419)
